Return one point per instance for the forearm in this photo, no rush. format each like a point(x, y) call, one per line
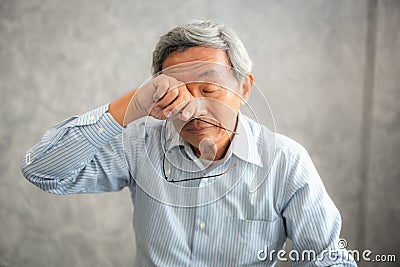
point(72, 156)
point(122, 106)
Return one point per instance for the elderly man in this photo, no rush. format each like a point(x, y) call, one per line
point(210, 186)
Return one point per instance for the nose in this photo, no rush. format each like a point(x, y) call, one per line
point(194, 89)
point(198, 104)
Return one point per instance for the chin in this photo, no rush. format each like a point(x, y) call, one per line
point(195, 139)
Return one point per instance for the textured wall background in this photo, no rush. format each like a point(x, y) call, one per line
point(331, 70)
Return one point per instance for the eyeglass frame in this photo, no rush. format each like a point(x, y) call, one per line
point(196, 178)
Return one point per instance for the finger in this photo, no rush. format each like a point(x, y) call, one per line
point(157, 113)
point(162, 84)
point(168, 98)
point(179, 103)
point(188, 111)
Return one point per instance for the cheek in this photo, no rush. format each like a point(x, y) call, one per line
point(236, 100)
point(233, 101)
point(227, 109)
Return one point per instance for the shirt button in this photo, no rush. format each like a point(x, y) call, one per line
point(100, 130)
point(202, 225)
point(92, 118)
point(28, 159)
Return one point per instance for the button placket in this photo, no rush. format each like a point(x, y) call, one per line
point(200, 230)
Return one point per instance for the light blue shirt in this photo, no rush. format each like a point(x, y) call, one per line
point(271, 192)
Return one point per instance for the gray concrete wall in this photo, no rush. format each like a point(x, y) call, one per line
point(330, 69)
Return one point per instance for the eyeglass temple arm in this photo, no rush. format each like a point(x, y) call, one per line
point(213, 124)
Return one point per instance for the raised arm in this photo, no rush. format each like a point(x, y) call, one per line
point(85, 154)
point(80, 155)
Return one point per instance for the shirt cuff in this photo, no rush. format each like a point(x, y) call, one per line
point(98, 126)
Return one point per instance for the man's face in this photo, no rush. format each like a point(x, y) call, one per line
point(216, 95)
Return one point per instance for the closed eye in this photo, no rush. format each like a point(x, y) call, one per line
point(209, 89)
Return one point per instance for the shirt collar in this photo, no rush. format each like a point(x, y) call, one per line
point(243, 145)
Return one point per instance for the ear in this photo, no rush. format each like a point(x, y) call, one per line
point(246, 85)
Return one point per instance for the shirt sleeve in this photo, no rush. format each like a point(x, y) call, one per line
point(313, 222)
point(82, 154)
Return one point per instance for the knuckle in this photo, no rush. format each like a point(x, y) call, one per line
point(161, 80)
point(174, 92)
point(172, 79)
point(162, 76)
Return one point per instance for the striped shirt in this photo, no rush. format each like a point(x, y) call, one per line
point(270, 192)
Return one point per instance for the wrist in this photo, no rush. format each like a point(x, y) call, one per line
point(125, 110)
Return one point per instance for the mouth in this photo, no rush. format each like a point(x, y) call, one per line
point(198, 130)
point(198, 127)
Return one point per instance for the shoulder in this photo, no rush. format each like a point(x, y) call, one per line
point(288, 145)
point(285, 158)
point(267, 138)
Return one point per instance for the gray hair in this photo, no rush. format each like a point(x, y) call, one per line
point(207, 34)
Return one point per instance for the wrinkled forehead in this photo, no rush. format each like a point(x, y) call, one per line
point(202, 71)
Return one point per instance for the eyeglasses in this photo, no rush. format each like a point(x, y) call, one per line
point(167, 169)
